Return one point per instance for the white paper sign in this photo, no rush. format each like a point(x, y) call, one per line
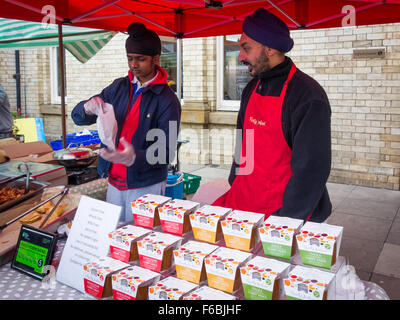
point(87, 240)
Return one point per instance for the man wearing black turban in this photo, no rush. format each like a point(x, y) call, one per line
point(146, 109)
point(283, 157)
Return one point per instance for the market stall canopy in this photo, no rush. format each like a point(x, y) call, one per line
point(199, 18)
point(82, 43)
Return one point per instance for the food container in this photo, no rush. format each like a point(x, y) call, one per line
point(277, 236)
point(170, 288)
point(262, 278)
point(206, 223)
point(189, 260)
point(75, 157)
point(240, 229)
point(133, 283)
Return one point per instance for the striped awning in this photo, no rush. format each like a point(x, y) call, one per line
point(82, 43)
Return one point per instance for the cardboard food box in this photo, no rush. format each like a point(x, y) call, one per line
point(278, 236)
point(319, 244)
point(123, 242)
point(170, 288)
point(145, 210)
point(174, 216)
point(262, 278)
point(207, 293)
point(155, 250)
point(304, 283)
point(222, 268)
point(38, 151)
point(206, 223)
point(133, 283)
point(189, 260)
point(97, 276)
point(240, 229)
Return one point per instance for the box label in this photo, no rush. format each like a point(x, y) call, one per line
point(119, 254)
point(316, 259)
point(93, 288)
point(277, 250)
point(256, 293)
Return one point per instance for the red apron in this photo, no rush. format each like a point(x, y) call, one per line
point(262, 189)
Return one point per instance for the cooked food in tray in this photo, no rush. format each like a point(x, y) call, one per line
point(7, 193)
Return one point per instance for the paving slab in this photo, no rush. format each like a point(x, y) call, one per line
point(368, 208)
point(394, 233)
point(362, 254)
point(376, 194)
point(361, 227)
point(388, 263)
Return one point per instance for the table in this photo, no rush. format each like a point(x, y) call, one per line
point(17, 286)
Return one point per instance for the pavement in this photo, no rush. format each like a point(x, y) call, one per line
point(371, 226)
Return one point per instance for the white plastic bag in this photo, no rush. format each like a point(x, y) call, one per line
point(107, 126)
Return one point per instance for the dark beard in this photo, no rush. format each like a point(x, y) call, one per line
point(262, 64)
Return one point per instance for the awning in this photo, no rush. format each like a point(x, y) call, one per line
point(82, 43)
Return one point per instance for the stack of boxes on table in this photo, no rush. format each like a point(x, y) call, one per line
point(155, 257)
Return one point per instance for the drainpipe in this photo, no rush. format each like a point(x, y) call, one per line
point(17, 77)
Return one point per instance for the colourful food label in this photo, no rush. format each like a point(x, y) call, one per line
point(96, 272)
point(172, 215)
point(151, 249)
point(238, 228)
point(207, 293)
point(189, 260)
point(205, 221)
point(306, 283)
point(121, 241)
point(277, 234)
point(170, 289)
point(259, 276)
point(316, 243)
point(126, 283)
point(145, 208)
point(221, 267)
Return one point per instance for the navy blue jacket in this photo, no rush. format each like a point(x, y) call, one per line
point(159, 109)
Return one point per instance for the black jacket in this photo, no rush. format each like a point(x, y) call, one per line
point(306, 126)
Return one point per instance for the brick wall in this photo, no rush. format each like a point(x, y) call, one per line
point(364, 94)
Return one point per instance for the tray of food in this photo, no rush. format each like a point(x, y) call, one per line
point(13, 192)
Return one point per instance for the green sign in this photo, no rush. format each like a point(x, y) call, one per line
point(32, 255)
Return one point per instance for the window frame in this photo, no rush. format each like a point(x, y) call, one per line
point(223, 105)
point(54, 97)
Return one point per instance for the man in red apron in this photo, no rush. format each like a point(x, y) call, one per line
point(283, 160)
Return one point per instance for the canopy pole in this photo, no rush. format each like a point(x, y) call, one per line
point(179, 67)
point(62, 89)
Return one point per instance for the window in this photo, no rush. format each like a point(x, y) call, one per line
point(232, 76)
point(168, 60)
point(55, 76)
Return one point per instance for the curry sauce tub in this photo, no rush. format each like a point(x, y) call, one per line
point(133, 283)
point(262, 278)
point(145, 210)
point(303, 283)
point(222, 268)
point(170, 288)
point(155, 250)
point(206, 223)
point(207, 293)
point(123, 242)
point(97, 276)
point(189, 260)
point(240, 229)
point(174, 216)
point(319, 244)
point(277, 236)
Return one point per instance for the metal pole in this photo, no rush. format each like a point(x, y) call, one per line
point(179, 67)
point(62, 89)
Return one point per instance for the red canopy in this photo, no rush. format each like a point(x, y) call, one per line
point(199, 18)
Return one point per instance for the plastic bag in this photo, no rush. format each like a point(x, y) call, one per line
point(107, 126)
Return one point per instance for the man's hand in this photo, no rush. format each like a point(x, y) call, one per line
point(94, 106)
point(126, 156)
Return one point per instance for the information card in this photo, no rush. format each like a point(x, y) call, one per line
point(87, 240)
